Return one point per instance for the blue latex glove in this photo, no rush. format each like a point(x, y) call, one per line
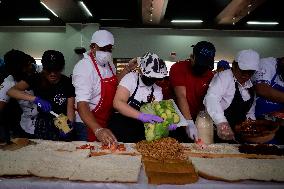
point(42, 104)
point(172, 127)
point(149, 118)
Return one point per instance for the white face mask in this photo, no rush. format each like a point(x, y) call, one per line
point(103, 58)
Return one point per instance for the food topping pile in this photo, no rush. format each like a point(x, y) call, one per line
point(61, 122)
point(86, 146)
point(256, 127)
point(165, 110)
point(262, 149)
point(162, 149)
point(113, 147)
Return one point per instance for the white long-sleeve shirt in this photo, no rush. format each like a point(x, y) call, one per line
point(220, 95)
point(87, 82)
point(29, 109)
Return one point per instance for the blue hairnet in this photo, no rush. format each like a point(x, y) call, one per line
point(223, 64)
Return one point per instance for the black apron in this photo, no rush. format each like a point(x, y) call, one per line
point(238, 109)
point(126, 129)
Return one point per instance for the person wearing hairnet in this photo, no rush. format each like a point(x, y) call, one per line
point(230, 97)
point(52, 91)
point(135, 89)
point(95, 81)
point(190, 79)
point(222, 65)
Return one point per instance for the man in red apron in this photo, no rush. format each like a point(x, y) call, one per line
point(95, 81)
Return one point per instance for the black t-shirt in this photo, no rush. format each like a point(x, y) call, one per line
point(57, 94)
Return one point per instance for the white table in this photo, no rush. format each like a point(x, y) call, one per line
point(35, 182)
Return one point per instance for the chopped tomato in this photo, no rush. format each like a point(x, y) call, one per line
point(121, 147)
point(113, 147)
point(86, 146)
point(104, 147)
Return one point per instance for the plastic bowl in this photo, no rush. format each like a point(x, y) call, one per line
point(257, 131)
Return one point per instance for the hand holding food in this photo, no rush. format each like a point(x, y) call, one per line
point(149, 118)
point(167, 112)
point(105, 136)
point(172, 127)
point(224, 131)
point(191, 130)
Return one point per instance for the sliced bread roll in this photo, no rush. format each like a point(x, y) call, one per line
point(235, 169)
point(109, 168)
point(56, 164)
point(16, 162)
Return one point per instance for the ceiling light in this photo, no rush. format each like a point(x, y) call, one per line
point(34, 19)
point(187, 21)
point(48, 9)
point(115, 19)
point(262, 23)
point(82, 4)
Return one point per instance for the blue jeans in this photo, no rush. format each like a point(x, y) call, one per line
point(80, 132)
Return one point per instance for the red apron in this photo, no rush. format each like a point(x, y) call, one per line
point(103, 110)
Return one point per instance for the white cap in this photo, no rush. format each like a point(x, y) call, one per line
point(248, 60)
point(102, 38)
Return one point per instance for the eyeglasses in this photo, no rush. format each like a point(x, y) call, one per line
point(107, 48)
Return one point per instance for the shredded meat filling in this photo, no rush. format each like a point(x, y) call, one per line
point(162, 149)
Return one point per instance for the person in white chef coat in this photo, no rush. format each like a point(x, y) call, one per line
point(95, 81)
point(230, 96)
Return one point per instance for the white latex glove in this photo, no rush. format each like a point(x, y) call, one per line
point(191, 130)
point(224, 131)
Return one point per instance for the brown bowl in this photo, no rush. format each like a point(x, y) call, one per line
point(257, 131)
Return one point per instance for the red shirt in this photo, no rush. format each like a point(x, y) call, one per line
point(196, 86)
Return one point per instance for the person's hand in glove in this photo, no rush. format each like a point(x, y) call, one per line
point(149, 118)
point(224, 131)
point(191, 130)
point(42, 104)
point(172, 127)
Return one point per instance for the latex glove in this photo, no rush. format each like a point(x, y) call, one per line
point(149, 118)
point(191, 130)
point(224, 131)
point(172, 127)
point(42, 104)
